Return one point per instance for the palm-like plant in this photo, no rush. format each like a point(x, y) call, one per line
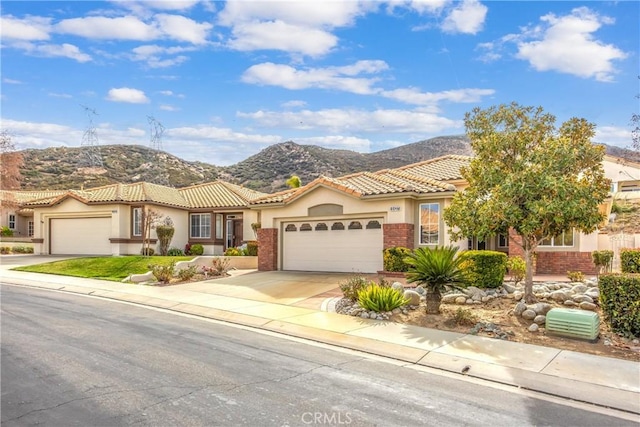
point(436, 269)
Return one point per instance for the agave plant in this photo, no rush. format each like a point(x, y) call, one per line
point(436, 269)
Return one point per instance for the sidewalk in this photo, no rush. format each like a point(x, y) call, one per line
point(602, 381)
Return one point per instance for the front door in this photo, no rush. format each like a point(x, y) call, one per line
point(237, 232)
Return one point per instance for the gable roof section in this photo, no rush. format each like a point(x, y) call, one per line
point(425, 177)
point(218, 194)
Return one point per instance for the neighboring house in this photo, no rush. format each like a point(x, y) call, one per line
point(108, 220)
point(343, 224)
point(17, 218)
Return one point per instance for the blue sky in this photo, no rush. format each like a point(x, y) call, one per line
point(227, 79)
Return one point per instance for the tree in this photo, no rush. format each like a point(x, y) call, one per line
point(165, 232)
point(150, 218)
point(10, 163)
point(529, 177)
point(294, 182)
point(635, 131)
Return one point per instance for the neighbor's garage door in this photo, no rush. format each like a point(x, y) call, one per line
point(353, 245)
point(80, 236)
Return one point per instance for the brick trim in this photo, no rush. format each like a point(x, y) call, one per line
point(398, 235)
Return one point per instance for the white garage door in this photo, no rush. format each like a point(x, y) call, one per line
point(80, 236)
point(353, 245)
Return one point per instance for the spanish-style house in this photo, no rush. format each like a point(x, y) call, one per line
point(331, 224)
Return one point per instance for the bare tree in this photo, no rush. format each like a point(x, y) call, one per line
point(10, 163)
point(150, 218)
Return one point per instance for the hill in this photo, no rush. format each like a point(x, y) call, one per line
point(57, 167)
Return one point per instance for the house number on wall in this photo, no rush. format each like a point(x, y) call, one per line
point(394, 208)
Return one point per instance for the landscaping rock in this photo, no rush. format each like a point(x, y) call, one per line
point(412, 296)
point(396, 311)
point(520, 308)
point(451, 298)
point(582, 298)
point(397, 286)
point(364, 315)
point(540, 319)
point(461, 300)
point(579, 289)
point(529, 314)
point(541, 307)
point(559, 296)
point(517, 295)
point(420, 290)
point(486, 299)
point(588, 306)
point(570, 303)
point(534, 327)
point(474, 293)
point(510, 288)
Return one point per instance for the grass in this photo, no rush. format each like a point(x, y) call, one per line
point(105, 268)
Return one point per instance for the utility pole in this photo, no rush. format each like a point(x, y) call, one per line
point(90, 156)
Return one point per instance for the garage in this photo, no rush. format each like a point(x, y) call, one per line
point(341, 245)
point(80, 236)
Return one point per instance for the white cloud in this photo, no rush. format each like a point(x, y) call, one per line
point(419, 6)
point(167, 107)
point(59, 95)
point(416, 97)
point(138, 5)
point(11, 81)
point(30, 28)
point(295, 103)
point(183, 29)
point(613, 135)
point(325, 78)
point(566, 44)
point(100, 27)
point(160, 57)
point(279, 35)
point(64, 50)
point(355, 121)
point(467, 17)
point(125, 94)
point(339, 142)
point(39, 135)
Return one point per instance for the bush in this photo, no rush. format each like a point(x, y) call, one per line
point(219, 267)
point(147, 251)
point(187, 249)
point(187, 273)
point(484, 269)
point(620, 301)
point(175, 252)
point(196, 249)
point(165, 234)
point(232, 252)
point(630, 260)
point(22, 250)
point(163, 273)
point(464, 317)
point(381, 298)
point(353, 285)
point(575, 276)
point(517, 267)
point(393, 259)
point(5, 250)
point(6, 231)
point(602, 260)
point(252, 248)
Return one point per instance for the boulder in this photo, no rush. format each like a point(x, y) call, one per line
point(420, 290)
point(579, 289)
point(540, 319)
point(398, 286)
point(510, 288)
point(412, 296)
point(461, 300)
point(534, 327)
point(570, 303)
point(540, 307)
point(582, 298)
point(520, 308)
point(474, 293)
point(451, 298)
point(529, 314)
point(517, 295)
point(587, 306)
point(559, 296)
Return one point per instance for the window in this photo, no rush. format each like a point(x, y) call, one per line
point(503, 241)
point(30, 228)
point(201, 226)
point(12, 221)
point(429, 223)
point(218, 226)
point(137, 222)
point(562, 240)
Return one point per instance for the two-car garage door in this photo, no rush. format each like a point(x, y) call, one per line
point(80, 236)
point(342, 245)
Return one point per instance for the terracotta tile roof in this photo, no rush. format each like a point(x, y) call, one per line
point(426, 177)
point(25, 196)
point(218, 194)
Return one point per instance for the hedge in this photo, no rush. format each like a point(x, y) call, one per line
point(393, 259)
point(620, 302)
point(630, 260)
point(484, 269)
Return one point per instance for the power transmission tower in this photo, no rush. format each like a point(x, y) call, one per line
point(90, 156)
point(156, 130)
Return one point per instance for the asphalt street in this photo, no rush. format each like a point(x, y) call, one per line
point(73, 360)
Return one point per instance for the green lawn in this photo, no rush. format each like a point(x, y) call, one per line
point(106, 268)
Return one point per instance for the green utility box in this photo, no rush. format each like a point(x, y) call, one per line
point(572, 323)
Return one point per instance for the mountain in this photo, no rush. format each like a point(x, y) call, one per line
point(58, 167)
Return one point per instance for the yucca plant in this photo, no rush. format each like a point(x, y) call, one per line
point(381, 298)
point(436, 269)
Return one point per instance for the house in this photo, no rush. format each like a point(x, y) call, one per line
point(343, 224)
point(17, 218)
point(108, 220)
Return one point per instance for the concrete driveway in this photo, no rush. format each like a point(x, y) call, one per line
point(302, 289)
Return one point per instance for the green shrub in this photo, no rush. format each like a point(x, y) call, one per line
point(197, 249)
point(187, 273)
point(620, 302)
point(575, 276)
point(163, 273)
point(4, 250)
point(393, 259)
point(353, 285)
point(602, 260)
point(484, 269)
point(517, 267)
point(165, 234)
point(464, 317)
point(232, 252)
point(147, 251)
point(6, 231)
point(175, 252)
point(22, 250)
point(381, 298)
point(252, 248)
point(630, 260)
